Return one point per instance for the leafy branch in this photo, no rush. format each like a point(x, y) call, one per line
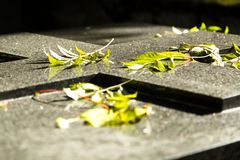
point(112, 105)
point(184, 54)
point(69, 58)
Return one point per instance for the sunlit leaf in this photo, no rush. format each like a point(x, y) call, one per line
point(171, 64)
point(158, 65)
point(236, 48)
point(203, 26)
point(236, 65)
point(70, 59)
point(140, 112)
point(226, 31)
point(54, 61)
point(194, 29)
point(229, 56)
point(156, 61)
point(98, 117)
point(214, 28)
point(114, 106)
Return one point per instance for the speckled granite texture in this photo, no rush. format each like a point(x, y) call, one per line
point(28, 132)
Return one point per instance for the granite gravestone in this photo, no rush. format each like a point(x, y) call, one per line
point(196, 108)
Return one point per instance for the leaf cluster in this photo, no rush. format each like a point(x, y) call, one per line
point(112, 105)
point(157, 61)
point(184, 54)
point(71, 59)
point(203, 27)
point(209, 53)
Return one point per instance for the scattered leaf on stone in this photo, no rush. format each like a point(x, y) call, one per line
point(185, 53)
point(68, 58)
point(157, 61)
point(112, 105)
point(209, 53)
point(203, 27)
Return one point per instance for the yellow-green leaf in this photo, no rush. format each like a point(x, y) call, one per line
point(236, 65)
point(54, 62)
point(140, 112)
point(98, 117)
point(236, 48)
point(226, 31)
point(203, 26)
point(159, 66)
point(214, 28)
point(194, 29)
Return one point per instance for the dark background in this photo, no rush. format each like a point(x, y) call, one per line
point(34, 16)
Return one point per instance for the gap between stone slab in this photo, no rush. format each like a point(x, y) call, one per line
point(152, 93)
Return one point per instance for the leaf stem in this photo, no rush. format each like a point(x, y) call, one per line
point(115, 86)
point(100, 49)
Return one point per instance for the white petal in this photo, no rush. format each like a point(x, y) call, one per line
point(136, 66)
point(176, 31)
point(97, 98)
point(55, 55)
point(66, 52)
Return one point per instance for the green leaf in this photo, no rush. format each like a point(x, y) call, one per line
point(116, 108)
point(78, 61)
point(106, 55)
point(98, 117)
point(228, 56)
point(236, 48)
point(226, 31)
point(119, 100)
point(81, 52)
point(158, 66)
point(203, 26)
point(214, 28)
point(140, 112)
point(194, 29)
point(54, 61)
point(171, 64)
point(236, 65)
point(128, 116)
point(156, 61)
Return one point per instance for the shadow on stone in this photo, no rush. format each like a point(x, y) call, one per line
point(4, 57)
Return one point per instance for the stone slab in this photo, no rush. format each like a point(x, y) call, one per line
point(216, 89)
point(28, 132)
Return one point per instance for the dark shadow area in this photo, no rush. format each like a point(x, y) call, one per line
point(4, 57)
point(35, 16)
point(168, 97)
